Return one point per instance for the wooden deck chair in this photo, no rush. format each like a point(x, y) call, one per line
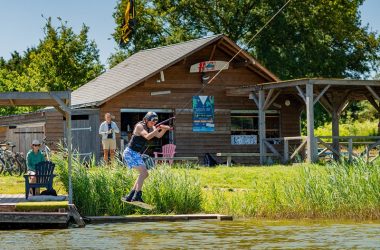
point(44, 177)
point(168, 150)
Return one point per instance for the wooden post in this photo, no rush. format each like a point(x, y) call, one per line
point(76, 216)
point(262, 126)
point(335, 131)
point(69, 149)
point(312, 153)
point(229, 161)
point(286, 151)
point(350, 150)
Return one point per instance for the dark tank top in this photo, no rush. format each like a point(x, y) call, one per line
point(138, 142)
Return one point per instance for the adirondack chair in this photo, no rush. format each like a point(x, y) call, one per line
point(44, 177)
point(168, 150)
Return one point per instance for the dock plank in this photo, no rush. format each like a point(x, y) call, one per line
point(34, 217)
point(156, 218)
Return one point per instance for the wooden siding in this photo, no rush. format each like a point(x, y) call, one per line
point(32, 127)
point(54, 129)
point(86, 141)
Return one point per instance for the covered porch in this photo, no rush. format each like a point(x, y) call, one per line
point(333, 94)
point(60, 100)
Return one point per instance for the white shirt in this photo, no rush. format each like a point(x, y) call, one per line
point(103, 130)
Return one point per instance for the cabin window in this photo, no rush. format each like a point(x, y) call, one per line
point(245, 126)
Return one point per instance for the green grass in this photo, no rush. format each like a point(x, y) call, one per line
point(97, 190)
point(47, 206)
point(12, 184)
point(16, 185)
point(354, 128)
point(337, 190)
point(242, 177)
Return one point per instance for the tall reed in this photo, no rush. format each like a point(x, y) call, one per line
point(339, 190)
point(174, 191)
point(97, 190)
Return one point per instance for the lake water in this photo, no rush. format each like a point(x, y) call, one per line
point(238, 234)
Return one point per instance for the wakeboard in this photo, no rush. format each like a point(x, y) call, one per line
point(138, 204)
point(208, 66)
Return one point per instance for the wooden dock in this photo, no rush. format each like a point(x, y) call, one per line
point(156, 218)
point(10, 218)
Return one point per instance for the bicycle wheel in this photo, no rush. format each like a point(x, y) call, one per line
point(17, 168)
point(2, 165)
point(21, 164)
point(8, 167)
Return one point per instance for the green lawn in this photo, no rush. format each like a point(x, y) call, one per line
point(243, 177)
point(16, 185)
point(210, 178)
point(337, 190)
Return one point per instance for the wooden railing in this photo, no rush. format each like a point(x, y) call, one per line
point(370, 143)
point(324, 147)
point(287, 153)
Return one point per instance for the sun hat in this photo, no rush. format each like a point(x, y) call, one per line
point(36, 142)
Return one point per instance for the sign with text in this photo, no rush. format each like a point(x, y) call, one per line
point(203, 114)
point(243, 139)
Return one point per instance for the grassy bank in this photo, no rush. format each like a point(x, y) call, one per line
point(303, 191)
point(16, 185)
point(299, 191)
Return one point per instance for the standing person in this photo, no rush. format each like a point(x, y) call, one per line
point(143, 131)
point(108, 130)
point(33, 157)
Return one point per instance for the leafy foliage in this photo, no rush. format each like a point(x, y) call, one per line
point(313, 39)
point(62, 60)
point(308, 39)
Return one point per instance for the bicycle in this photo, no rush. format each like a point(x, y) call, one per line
point(9, 163)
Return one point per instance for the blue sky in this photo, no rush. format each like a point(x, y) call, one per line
point(21, 22)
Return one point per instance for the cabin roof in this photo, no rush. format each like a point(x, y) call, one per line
point(145, 64)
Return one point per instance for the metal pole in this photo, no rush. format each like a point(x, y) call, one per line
point(69, 149)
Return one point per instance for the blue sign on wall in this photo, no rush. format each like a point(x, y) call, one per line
point(203, 114)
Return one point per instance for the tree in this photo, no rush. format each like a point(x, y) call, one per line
point(308, 38)
point(116, 58)
point(157, 25)
point(64, 60)
point(61, 61)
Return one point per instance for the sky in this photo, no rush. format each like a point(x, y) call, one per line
point(21, 22)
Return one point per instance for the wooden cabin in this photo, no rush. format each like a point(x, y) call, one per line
point(160, 80)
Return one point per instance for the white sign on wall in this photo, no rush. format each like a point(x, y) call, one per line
point(243, 139)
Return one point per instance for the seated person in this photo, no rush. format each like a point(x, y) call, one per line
point(34, 157)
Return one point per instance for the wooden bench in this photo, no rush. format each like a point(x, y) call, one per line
point(229, 156)
point(179, 158)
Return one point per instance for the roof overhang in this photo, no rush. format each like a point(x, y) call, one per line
point(360, 89)
point(57, 99)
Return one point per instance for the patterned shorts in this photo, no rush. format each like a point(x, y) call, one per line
point(132, 158)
